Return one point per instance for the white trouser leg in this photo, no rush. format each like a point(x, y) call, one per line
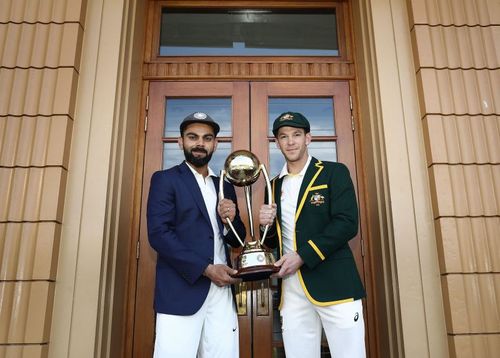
point(220, 334)
point(207, 333)
point(301, 325)
point(344, 329)
point(178, 336)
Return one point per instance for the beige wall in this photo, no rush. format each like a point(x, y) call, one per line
point(39, 70)
point(91, 290)
point(457, 53)
point(68, 130)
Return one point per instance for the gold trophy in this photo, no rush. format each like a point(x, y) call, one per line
point(242, 168)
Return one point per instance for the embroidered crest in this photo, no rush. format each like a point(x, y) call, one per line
point(317, 199)
point(286, 117)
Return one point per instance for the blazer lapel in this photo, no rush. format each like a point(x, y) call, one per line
point(189, 180)
point(312, 172)
point(276, 185)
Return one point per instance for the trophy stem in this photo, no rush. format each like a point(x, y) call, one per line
point(221, 195)
point(248, 200)
point(269, 198)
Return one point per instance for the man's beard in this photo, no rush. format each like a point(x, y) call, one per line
point(197, 161)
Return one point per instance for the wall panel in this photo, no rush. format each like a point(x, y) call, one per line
point(456, 52)
point(462, 139)
point(469, 244)
point(40, 44)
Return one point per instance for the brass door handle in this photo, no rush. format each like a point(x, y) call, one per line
point(241, 299)
point(263, 298)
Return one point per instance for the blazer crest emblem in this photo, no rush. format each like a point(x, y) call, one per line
point(317, 199)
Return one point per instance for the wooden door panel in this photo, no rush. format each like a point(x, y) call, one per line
point(260, 94)
point(158, 93)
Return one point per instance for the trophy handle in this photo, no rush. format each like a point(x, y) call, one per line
point(221, 195)
point(269, 198)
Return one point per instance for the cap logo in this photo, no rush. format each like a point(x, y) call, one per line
point(200, 115)
point(286, 117)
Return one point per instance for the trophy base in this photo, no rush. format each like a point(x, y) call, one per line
point(256, 273)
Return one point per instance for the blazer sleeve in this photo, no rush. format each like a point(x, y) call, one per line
point(238, 225)
point(161, 218)
point(343, 220)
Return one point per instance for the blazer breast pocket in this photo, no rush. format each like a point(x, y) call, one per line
point(318, 196)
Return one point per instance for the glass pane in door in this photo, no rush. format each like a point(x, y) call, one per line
point(318, 111)
point(172, 155)
point(322, 150)
point(177, 109)
point(220, 109)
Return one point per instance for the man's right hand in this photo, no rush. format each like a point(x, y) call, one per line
point(220, 274)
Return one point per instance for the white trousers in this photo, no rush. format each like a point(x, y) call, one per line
point(302, 322)
point(212, 332)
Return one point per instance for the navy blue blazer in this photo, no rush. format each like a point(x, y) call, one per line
point(179, 230)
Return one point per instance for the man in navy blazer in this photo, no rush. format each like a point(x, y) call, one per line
point(195, 311)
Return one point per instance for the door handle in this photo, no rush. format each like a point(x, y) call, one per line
point(263, 298)
point(241, 299)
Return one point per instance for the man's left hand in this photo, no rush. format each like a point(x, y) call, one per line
point(288, 264)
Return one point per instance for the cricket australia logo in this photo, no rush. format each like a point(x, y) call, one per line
point(317, 199)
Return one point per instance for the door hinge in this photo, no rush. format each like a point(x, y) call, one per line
point(146, 118)
point(137, 249)
point(352, 116)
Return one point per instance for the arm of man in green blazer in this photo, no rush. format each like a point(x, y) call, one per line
point(342, 224)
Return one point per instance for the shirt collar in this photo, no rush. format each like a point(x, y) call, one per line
point(211, 173)
point(284, 170)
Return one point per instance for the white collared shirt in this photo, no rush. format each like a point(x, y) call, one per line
point(289, 201)
point(207, 188)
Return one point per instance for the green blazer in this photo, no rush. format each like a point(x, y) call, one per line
point(326, 219)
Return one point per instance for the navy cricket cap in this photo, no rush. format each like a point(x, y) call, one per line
point(199, 117)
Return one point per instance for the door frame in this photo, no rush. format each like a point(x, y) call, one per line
point(244, 99)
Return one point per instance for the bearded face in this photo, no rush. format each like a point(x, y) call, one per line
point(198, 156)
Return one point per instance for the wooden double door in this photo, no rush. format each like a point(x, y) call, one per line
point(245, 111)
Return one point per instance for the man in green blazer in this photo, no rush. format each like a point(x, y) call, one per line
point(313, 216)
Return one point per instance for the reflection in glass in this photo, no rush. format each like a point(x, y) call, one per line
point(324, 151)
point(248, 32)
point(177, 109)
point(318, 111)
point(173, 155)
point(276, 160)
